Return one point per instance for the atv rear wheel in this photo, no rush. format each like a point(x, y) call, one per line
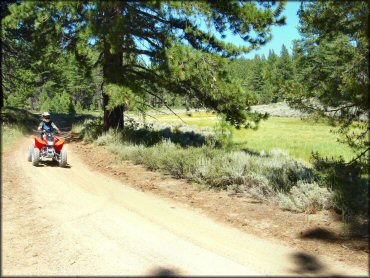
point(35, 156)
point(63, 158)
point(30, 151)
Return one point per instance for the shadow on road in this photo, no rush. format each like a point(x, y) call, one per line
point(307, 264)
point(48, 163)
point(319, 233)
point(358, 238)
point(51, 163)
point(163, 272)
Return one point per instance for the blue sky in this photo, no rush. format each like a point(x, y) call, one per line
point(280, 35)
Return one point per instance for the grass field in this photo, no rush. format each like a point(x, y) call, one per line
point(299, 137)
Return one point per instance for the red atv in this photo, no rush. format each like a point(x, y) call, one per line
point(48, 146)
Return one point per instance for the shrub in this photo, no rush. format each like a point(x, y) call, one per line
point(305, 196)
point(255, 176)
point(11, 133)
point(149, 134)
point(79, 108)
point(282, 170)
point(181, 164)
point(152, 157)
point(280, 109)
point(107, 138)
point(285, 173)
point(92, 129)
point(257, 186)
point(222, 170)
point(125, 152)
point(349, 184)
point(20, 118)
point(223, 134)
point(77, 127)
point(16, 123)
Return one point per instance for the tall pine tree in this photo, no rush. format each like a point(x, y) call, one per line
point(332, 61)
point(168, 33)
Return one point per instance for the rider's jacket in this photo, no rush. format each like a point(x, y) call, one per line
point(47, 126)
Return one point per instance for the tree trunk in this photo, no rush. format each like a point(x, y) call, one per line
point(112, 118)
point(112, 73)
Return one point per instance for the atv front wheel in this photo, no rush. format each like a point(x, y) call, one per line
point(35, 157)
point(63, 158)
point(30, 151)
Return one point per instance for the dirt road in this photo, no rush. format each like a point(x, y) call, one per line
point(74, 221)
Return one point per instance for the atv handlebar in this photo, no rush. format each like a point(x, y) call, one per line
point(43, 131)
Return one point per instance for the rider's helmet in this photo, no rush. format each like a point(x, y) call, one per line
point(46, 116)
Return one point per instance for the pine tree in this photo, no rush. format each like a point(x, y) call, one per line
point(285, 65)
point(122, 32)
point(332, 75)
point(271, 77)
point(256, 80)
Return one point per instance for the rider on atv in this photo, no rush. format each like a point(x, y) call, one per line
point(48, 146)
point(47, 125)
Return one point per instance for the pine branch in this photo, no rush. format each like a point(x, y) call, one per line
point(5, 87)
point(358, 157)
point(152, 107)
point(340, 108)
point(139, 51)
point(165, 104)
point(98, 60)
point(142, 111)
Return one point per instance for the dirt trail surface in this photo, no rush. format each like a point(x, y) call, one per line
point(76, 221)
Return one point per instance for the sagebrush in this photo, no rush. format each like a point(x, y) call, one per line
point(268, 176)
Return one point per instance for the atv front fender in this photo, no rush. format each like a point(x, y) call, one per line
point(39, 143)
point(59, 144)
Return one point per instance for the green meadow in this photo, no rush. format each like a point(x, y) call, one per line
point(299, 137)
